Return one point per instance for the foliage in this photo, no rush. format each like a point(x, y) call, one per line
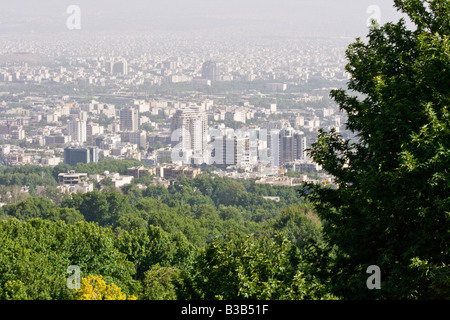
point(95, 288)
point(150, 242)
point(299, 225)
point(27, 175)
point(35, 256)
point(102, 208)
point(39, 207)
point(159, 283)
point(111, 165)
point(246, 267)
point(153, 246)
point(392, 204)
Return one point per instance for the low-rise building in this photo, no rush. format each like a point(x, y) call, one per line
point(73, 182)
point(72, 178)
point(173, 172)
point(138, 172)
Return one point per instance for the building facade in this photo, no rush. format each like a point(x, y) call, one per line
point(189, 129)
point(74, 155)
point(129, 119)
point(77, 130)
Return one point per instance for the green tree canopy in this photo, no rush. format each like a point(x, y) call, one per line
point(154, 246)
point(38, 207)
point(249, 267)
point(35, 255)
point(391, 207)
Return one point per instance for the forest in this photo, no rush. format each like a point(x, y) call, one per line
point(203, 238)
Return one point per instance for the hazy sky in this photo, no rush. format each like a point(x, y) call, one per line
point(271, 17)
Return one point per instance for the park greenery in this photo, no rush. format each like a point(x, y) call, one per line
point(157, 242)
point(212, 237)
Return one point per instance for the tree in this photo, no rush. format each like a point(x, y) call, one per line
point(146, 248)
point(298, 225)
point(391, 207)
point(39, 207)
point(246, 267)
point(92, 205)
point(95, 288)
point(107, 182)
point(230, 213)
point(35, 255)
point(104, 208)
point(14, 290)
point(159, 283)
point(133, 193)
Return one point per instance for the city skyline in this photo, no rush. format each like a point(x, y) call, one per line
point(116, 75)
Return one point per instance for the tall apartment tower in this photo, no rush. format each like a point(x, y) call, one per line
point(129, 119)
point(210, 71)
point(237, 151)
point(189, 128)
point(300, 146)
point(120, 67)
point(77, 130)
point(287, 143)
point(292, 146)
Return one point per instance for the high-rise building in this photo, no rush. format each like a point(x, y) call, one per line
point(210, 71)
point(93, 129)
point(189, 128)
point(292, 146)
point(170, 64)
point(74, 155)
point(237, 151)
point(287, 144)
point(116, 67)
point(129, 119)
point(300, 146)
point(83, 116)
point(121, 67)
point(17, 132)
point(109, 65)
point(297, 122)
point(139, 138)
point(57, 140)
point(77, 130)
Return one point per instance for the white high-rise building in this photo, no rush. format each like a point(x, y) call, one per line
point(237, 151)
point(300, 146)
point(77, 130)
point(83, 116)
point(189, 127)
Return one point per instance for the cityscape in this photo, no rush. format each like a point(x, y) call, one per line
point(210, 150)
point(240, 109)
